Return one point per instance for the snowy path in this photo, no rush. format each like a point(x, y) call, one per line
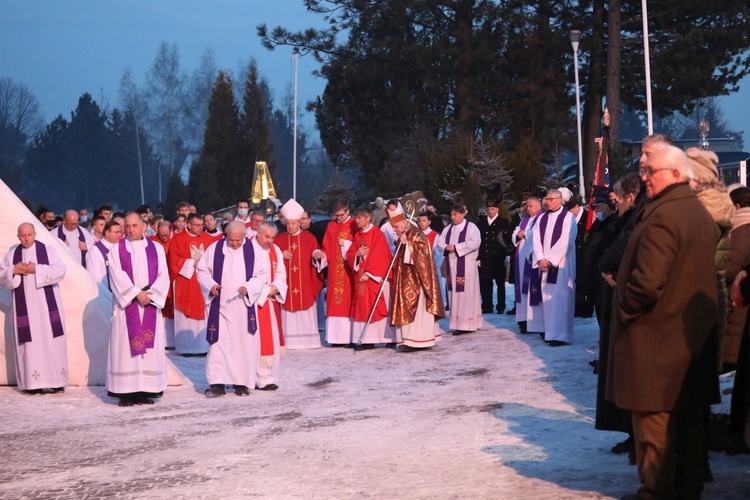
point(488, 415)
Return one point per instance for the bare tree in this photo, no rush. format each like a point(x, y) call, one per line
point(19, 108)
point(197, 96)
point(133, 102)
point(164, 94)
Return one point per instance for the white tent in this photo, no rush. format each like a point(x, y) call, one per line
point(88, 310)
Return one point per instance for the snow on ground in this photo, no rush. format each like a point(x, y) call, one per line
point(494, 414)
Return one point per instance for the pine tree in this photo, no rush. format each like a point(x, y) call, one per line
point(218, 159)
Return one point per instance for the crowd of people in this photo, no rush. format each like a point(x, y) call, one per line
point(661, 258)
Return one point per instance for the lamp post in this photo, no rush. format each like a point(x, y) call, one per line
point(575, 37)
point(294, 147)
point(647, 58)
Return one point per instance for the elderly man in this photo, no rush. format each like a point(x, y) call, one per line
point(136, 368)
point(185, 250)
point(553, 288)
point(663, 349)
point(232, 284)
point(304, 263)
point(459, 243)
point(32, 270)
point(336, 242)
point(522, 239)
point(269, 261)
point(416, 301)
point(97, 259)
point(78, 240)
point(369, 257)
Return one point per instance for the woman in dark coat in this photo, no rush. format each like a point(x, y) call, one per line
point(627, 192)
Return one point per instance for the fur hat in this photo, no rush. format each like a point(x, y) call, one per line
point(704, 164)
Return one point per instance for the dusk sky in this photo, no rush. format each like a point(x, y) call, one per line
point(61, 49)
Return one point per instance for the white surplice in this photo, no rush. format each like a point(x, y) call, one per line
point(233, 359)
point(96, 265)
point(43, 362)
point(72, 241)
point(465, 307)
point(558, 300)
point(525, 247)
point(127, 373)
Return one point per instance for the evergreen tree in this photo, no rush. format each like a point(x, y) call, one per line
point(254, 144)
point(218, 160)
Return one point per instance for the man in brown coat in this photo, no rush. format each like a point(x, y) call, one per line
point(663, 351)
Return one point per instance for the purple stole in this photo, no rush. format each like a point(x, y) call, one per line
point(536, 290)
point(105, 251)
point(212, 326)
point(19, 294)
point(460, 261)
point(517, 281)
point(141, 334)
point(61, 236)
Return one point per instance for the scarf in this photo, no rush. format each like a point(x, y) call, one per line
point(19, 295)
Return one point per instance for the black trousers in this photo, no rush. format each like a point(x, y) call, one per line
point(491, 274)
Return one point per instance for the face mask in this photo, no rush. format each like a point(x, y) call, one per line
point(242, 212)
point(600, 216)
point(84, 218)
point(50, 223)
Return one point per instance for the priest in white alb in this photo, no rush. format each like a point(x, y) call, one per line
point(522, 239)
point(554, 239)
point(32, 270)
point(78, 240)
point(269, 261)
point(136, 367)
point(459, 243)
point(231, 284)
point(97, 259)
point(304, 262)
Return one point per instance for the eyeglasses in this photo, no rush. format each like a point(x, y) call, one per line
point(341, 214)
point(650, 171)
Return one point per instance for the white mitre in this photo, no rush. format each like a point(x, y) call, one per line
point(292, 210)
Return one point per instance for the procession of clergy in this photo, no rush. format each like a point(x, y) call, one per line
point(243, 295)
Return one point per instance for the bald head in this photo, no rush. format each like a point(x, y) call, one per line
point(26, 234)
point(70, 220)
point(134, 226)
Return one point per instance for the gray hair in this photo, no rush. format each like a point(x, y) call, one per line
point(235, 226)
point(269, 225)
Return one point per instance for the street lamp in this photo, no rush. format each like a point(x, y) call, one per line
point(575, 37)
point(647, 60)
point(294, 147)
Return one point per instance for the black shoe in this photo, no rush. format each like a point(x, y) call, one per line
point(595, 364)
point(501, 311)
point(33, 392)
point(125, 402)
point(460, 332)
point(215, 390)
point(486, 311)
point(511, 311)
point(363, 347)
point(241, 390)
point(269, 387)
point(522, 327)
point(145, 401)
point(407, 348)
point(58, 390)
point(390, 345)
point(624, 446)
point(557, 343)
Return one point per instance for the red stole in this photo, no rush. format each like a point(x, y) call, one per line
point(264, 318)
point(376, 263)
point(340, 277)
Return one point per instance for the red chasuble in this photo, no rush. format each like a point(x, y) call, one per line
point(340, 276)
point(168, 311)
point(375, 263)
point(302, 278)
point(188, 296)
